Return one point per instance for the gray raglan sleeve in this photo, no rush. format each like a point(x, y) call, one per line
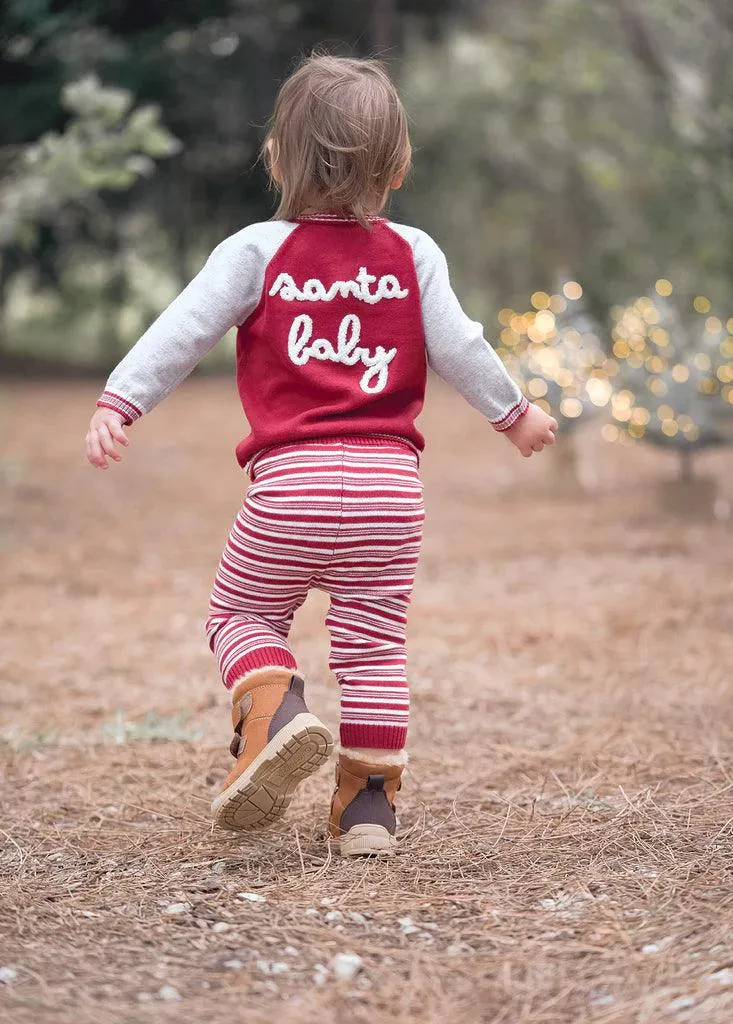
point(456, 347)
point(221, 296)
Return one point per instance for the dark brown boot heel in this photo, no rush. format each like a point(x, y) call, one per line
point(362, 810)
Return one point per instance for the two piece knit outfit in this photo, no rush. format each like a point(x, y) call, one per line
point(336, 327)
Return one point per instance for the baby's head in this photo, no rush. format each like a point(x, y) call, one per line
point(338, 139)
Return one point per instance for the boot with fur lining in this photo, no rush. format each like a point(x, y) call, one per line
point(363, 820)
point(277, 743)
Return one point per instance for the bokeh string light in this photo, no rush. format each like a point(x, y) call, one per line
point(673, 373)
point(554, 351)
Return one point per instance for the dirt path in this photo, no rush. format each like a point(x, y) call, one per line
point(568, 808)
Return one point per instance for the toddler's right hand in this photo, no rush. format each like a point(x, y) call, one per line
point(532, 431)
point(105, 431)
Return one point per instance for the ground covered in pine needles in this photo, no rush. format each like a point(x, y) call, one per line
point(567, 815)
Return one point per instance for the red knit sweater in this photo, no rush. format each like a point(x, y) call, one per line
point(335, 326)
point(335, 345)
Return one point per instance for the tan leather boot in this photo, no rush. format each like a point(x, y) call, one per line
point(362, 809)
point(277, 743)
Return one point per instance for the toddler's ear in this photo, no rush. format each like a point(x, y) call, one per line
point(398, 179)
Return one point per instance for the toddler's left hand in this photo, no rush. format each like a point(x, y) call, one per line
point(105, 432)
point(532, 431)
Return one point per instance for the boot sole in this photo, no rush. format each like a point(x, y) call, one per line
point(368, 841)
point(263, 792)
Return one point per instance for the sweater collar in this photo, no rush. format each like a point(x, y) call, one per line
point(334, 217)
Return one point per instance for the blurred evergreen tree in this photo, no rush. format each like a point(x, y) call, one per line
point(106, 145)
point(555, 352)
point(672, 376)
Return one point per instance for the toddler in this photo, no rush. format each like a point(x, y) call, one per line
point(339, 312)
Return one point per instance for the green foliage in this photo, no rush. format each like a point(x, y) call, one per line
point(104, 146)
point(166, 728)
point(564, 134)
point(175, 728)
point(211, 67)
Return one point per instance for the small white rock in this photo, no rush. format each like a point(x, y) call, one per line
point(334, 917)
point(270, 967)
point(651, 947)
point(251, 897)
point(356, 917)
point(600, 997)
point(220, 926)
point(169, 994)
point(681, 1003)
point(177, 908)
point(8, 975)
point(407, 925)
point(346, 966)
point(459, 949)
point(320, 975)
point(291, 951)
point(311, 912)
point(233, 965)
point(722, 977)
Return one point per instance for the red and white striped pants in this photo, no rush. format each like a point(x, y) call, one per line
point(344, 517)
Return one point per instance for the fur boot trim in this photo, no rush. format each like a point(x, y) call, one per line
point(369, 755)
point(263, 670)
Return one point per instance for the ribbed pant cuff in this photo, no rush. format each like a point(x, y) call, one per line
point(382, 737)
point(262, 657)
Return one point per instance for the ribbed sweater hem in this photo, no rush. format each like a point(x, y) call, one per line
point(263, 657)
point(381, 737)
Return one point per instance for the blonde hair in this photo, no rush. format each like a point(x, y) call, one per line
point(337, 139)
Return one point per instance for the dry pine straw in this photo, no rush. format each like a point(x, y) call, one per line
point(567, 813)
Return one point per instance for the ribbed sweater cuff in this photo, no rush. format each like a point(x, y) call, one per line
point(109, 400)
point(383, 737)
point(510, 418)
point(262, 657)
